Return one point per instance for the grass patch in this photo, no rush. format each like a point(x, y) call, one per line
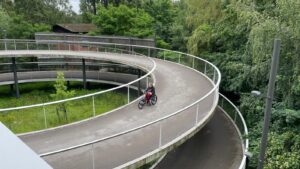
point(32, 119)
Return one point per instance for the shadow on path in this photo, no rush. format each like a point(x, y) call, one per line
point(216, 146)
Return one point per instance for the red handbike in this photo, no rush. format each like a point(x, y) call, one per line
point(148, 99)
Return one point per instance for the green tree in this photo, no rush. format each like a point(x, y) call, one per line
point(4, 22)
point(123, 20)
point(163, 12)
point(60, 94)
point(45, 11)
point(238, 37)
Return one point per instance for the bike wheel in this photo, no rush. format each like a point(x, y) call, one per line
point(141, 104)
point(154, 100)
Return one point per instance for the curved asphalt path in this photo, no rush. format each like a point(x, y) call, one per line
point(177, 87)
point(217, 145)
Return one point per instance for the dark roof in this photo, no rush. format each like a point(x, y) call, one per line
point(77, 28)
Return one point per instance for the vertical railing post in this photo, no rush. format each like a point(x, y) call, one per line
point(133, 50)
point(84, 74)
point(160, 134)
point(193, 62)
point(205, 68)
point(139, 82)
point(149, 52)
point(69, 46)
point(45, 117)
point(48, 46)
point(15, 44)
point(235, 116)
point(214, 77)
point(94, 108)
point(93, 156)
point(222, 102)
point(5, 45)
point(128, 94)
point(164, 55)
point(179, 58)
point(147, 81)
point(197, 114)
point(27, 45)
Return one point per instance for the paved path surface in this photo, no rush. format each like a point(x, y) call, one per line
point(177, 87)
point(216, 146)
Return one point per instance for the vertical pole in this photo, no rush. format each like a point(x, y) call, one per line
point(164, 55)
point(15, 44)
point(269, 100)
point(94, 109)
point(14, 67)
point(205, 68)
point(83, 73)
point(179, 58)
point(149, 52)
point(27, 46)
point(128, 94)
point(45, 117)
point(139, 82)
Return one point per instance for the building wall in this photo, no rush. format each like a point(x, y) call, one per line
point(105, 39)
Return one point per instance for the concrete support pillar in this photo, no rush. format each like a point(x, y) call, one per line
point(84, 74)
point(11, 86)
point(68, 84)
point(14, 69)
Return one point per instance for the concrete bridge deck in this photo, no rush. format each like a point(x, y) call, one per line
point(177, 87)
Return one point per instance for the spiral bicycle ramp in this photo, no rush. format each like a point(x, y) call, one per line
point(177, 87)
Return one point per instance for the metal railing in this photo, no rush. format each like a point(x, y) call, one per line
point(200, 110)
point(44, 112)
point(238, 120)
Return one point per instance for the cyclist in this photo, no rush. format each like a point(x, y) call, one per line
point(150, 92)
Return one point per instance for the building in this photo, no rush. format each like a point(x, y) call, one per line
point(73, 28)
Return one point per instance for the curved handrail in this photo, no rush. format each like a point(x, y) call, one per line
point(245, 140)
point(215, 89)
point(84, 96)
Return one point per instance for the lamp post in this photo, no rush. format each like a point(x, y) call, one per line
point(269, 99)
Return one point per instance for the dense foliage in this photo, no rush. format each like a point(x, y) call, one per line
point(145, 18)
point(238, 36)
point(123, 20)
point(22, 19)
